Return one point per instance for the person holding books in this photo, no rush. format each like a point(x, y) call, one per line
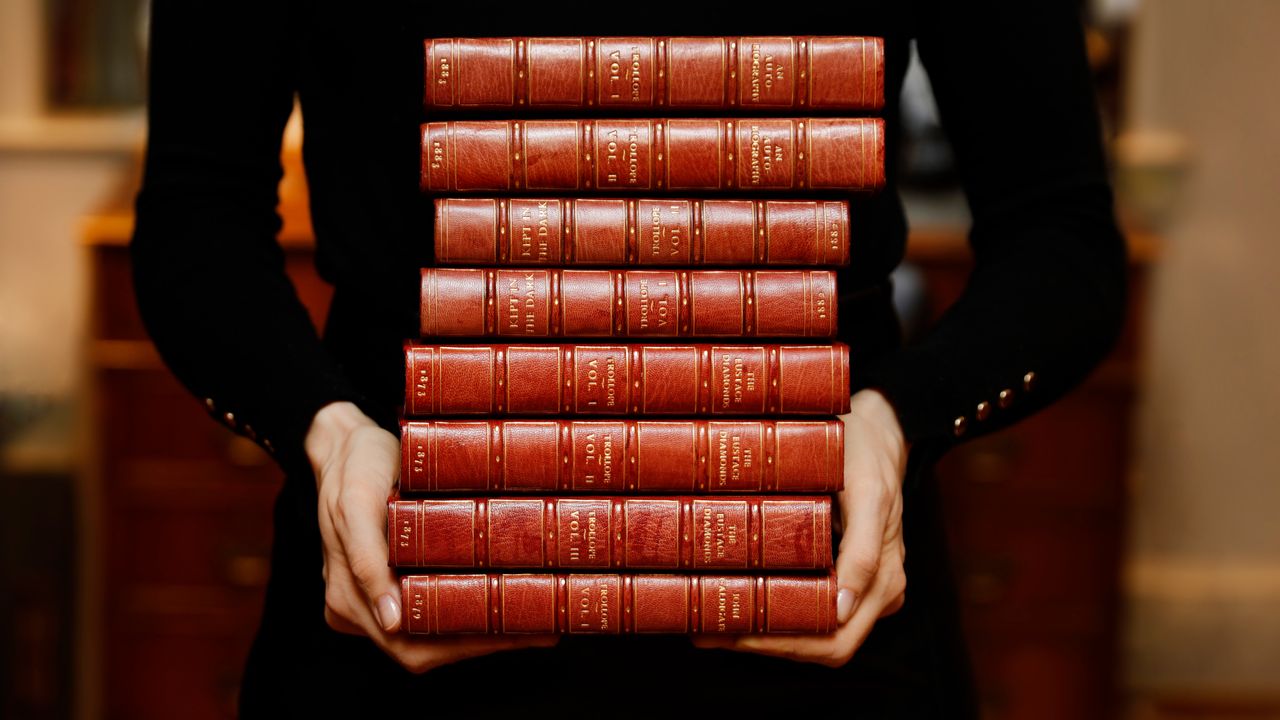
point(1042, 307)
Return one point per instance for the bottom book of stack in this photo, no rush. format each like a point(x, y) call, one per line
point(617, 603)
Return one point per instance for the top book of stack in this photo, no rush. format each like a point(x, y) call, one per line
point(751, 74)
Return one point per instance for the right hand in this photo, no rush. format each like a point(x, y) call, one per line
point(356, 463)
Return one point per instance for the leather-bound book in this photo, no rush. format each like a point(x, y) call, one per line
point(601, 533)
point(635, 73)
point(626, 379)
point(613, 604)
point(615, 231)
point(653, 155)
point(621, 456)
point(540, 302)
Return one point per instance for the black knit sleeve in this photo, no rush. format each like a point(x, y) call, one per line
point(1046, 297)
point(209, 273)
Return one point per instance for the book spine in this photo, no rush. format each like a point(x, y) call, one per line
point(631, 456)
point(622, 73)
point(614, 231)
point(612, 603)
point(536, 302)
point(626, 379)
point(654, 533)
point(639, 155)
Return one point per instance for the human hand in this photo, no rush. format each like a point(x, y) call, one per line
point(356, 463)
point(869, 562)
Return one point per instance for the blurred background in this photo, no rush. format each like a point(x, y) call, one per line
point(1118, 555)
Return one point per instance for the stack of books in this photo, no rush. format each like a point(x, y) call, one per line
point(622, 415)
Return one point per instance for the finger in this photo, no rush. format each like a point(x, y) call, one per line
point(889, 586)
point(341, 624)
point(714, 642)
point(807, 648)
point(894, 605)
point(344, 608)
point(421, 654)
point(858, 558)
point(361, 521)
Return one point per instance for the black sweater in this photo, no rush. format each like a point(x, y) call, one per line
point(1014, 93)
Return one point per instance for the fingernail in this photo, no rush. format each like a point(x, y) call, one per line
point(388, 612)
point(844, 605)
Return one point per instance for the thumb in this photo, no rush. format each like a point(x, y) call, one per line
point(365, 544)
point(363, 509)
point(858, 559)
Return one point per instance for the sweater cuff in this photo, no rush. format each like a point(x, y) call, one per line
point(913, 384)
point(278, 415)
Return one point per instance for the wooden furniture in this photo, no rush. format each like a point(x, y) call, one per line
point(178, 516)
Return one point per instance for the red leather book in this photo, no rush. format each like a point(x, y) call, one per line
point(621, 456)
point(652, 533)
point(538, 302)
point(614, 231)
point(626, 379)
point(613, 604)
point(623, 73)
point(676, 155)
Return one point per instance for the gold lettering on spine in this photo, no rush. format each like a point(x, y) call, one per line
point(535, 232)
point(666, 234)
point(720, 533)
point(575, 536)
point(422, 386)
point(406, 530)
point(707, 535)
point(655, 234)
point(674, 238)
point(544, 231)
point(583, 536)
point(654, 307)
point(766, 71)
point(437, 154)
point(584, 608)
point(629, 158)
point(522, 302)
point(735, 380)
point(834, 232)
point(624, 75)
point(530, 303)
point(526, 233)
point(418, 602)
point(419, 458)
point(728, 606)
point(604, 607)
point(589, 458)
point(513, 303)
point(609, 376)
point(586, 604)
point(606, 466)
point(722, 476)
point(764, 155)
point(442, 71)
point(734, 458)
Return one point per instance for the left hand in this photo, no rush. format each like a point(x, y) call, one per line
point(869, 563)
